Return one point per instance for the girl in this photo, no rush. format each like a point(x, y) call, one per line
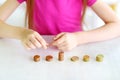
point(62, 18)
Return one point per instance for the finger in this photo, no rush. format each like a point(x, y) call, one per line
point(41, 40)
point(58, 36)
point(26, 46)
point(43, 43)
point(35, 42)
point(59, 41)
point(62, 45)
point(31, 45)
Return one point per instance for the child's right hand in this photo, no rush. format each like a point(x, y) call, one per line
point(32, 39)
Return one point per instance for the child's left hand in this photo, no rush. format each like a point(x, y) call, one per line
point(65, 41)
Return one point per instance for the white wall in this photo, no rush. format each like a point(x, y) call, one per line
point(92, 21)
point(18, 17)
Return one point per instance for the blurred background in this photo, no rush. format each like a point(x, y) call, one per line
point(91, 21)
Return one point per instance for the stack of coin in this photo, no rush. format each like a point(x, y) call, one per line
point(49, 58)
point(86, 58)
point(36, 58)
point(61, 56)
point(99, 58)
point(74, 58)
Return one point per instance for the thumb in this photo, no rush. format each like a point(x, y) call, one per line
point(58, 36)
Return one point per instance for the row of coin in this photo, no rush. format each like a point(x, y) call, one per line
point(86, 58)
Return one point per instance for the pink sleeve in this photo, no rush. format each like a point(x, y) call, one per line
point(20, 1)
point(91, 2)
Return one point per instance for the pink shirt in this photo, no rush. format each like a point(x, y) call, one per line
point(54, 16)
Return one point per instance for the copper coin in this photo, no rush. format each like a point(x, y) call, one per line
point(74, 58)
point(49, 58)
point(36, 58)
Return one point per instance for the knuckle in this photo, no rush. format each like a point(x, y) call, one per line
point(35, 32)
point(31, 35)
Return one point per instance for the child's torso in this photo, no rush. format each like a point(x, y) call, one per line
point(55, 16)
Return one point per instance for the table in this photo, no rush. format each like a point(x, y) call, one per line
point(16, 62)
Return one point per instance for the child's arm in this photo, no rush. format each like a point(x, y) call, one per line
point(110, 30)
point(29, 38)
point(8, 31)
point(8, 8)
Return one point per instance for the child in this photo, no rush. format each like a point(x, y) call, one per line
point(62, 18)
